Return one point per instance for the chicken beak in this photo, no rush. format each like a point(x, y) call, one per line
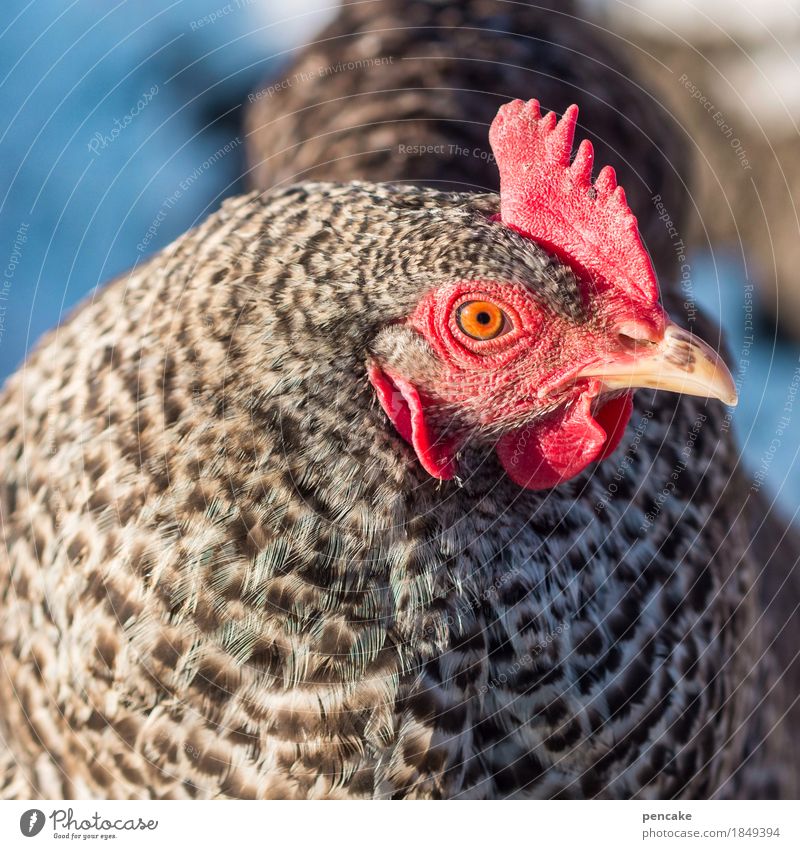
point(680, 362)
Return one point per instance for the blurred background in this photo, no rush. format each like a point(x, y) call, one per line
point(122, 127)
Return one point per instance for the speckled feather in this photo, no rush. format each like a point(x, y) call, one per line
point(224, 574)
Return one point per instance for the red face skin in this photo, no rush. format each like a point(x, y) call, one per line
point(521, 384)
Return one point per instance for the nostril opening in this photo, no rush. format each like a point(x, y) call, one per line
point(634, 343)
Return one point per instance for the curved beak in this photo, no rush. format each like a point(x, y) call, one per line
point(680, 362)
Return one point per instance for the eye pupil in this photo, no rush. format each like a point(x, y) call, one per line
point(481, 320)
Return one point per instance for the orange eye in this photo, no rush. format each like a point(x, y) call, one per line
point(481, 319)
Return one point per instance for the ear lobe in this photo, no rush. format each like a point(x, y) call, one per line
point(402, 404)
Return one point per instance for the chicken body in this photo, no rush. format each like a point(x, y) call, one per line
point(224, 573)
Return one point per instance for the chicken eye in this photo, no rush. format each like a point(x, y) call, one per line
point(481, 319)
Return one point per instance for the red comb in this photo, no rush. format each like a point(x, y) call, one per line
point(589, 225)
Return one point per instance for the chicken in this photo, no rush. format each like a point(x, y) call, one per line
point(347, 493)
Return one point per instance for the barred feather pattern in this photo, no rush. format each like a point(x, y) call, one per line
point(223, 575)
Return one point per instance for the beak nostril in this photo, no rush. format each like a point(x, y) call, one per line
point(637, 336)
point(634, 343)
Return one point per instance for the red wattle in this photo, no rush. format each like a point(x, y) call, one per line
point(613, 417)
point(402, 404)
point(544, 454)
